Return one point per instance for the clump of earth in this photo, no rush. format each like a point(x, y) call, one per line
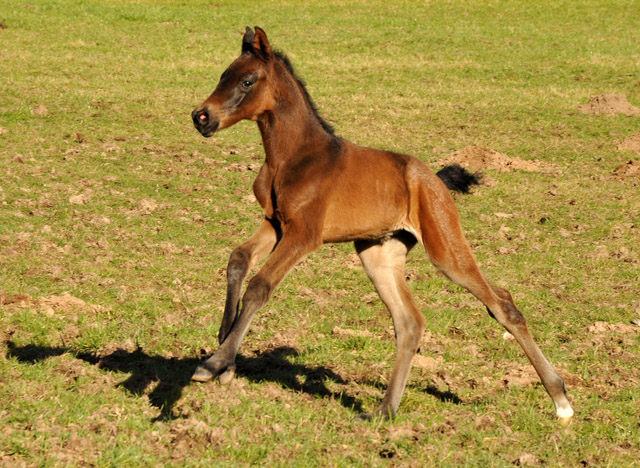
point(609, 104)
point(477, 158)
point(631, 144)
point(630, 169)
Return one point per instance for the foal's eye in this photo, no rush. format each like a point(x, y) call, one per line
point(247, 84)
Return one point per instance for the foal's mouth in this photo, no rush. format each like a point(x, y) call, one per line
point(209, 130)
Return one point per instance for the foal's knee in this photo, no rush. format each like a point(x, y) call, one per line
point(238, 264)
point(514, 316)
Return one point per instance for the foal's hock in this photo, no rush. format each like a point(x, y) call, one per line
point(316, 187)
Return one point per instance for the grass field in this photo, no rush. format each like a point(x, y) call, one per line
point(117, 219)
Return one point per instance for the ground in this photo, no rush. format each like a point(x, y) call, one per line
point(117, 220)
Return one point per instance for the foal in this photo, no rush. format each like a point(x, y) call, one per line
point(314, 188)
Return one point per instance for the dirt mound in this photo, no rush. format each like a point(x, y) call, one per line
point(21, 300)
point(630, 169)
point(631, 144)
point(609, 104)
point(49, 305)
point(426, 362)
point(521, 376)
point(606, 327)
point(477, 158)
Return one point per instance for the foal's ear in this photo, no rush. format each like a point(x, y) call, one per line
point(247, 40)
point(256, 43)
point(261, 46)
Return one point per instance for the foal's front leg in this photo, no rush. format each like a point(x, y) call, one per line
point(240, 261)
point(289, 250)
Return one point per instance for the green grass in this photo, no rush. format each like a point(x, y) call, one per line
point(109, 195)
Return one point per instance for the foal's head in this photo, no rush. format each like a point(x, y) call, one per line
point(244, 90)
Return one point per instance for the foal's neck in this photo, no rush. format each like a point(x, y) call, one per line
point(292, 127)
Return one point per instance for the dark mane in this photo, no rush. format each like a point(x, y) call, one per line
point(285, 60)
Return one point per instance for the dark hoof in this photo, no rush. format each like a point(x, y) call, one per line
point(202, 375)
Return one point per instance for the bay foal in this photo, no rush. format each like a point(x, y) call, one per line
point(315, 188)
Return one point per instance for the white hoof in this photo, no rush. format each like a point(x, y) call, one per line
point(564, 415)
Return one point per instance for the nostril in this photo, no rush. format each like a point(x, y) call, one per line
point(200, 117)
point(203, 117)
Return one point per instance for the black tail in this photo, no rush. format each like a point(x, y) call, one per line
point(458, 179)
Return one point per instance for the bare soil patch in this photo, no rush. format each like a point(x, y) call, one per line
point(51, 305)
point(477, 158)
point(617, 328)
point(521, 376)
point(348, 333)
point(609, 104)
point(427, 362)
point(629, 169)
point(631, 144)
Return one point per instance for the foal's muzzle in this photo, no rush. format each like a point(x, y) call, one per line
point(203, 121)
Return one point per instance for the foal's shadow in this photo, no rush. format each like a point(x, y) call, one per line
point(274, 366)
point(173, 374)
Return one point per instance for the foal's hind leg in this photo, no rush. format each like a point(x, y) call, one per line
point(449, 251)
point(384, 263)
